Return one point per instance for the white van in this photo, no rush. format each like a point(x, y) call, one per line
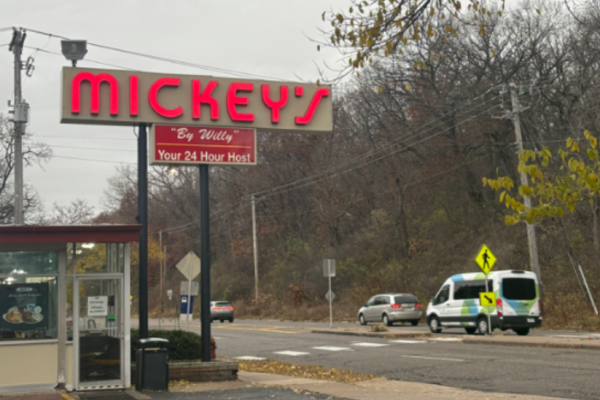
point(457, 303)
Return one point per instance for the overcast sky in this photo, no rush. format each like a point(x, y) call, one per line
point(264, 37)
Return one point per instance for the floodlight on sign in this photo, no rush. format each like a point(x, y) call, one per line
point(74, 50)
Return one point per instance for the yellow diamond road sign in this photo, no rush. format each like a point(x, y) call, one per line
point(487, 299)
point(485, 259)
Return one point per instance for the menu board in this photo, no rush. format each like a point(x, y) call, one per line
point(24, 307)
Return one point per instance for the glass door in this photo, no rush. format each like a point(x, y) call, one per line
point(99, 332)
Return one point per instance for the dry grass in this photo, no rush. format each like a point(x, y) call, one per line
point(379, 328)
point(270, 308)
point(571, 312)
point(303, 371)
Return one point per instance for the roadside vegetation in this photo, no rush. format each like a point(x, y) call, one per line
point(396, 192)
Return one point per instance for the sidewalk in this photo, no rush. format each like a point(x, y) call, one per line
point(591, 342)
point(376, 389)
point(380, 335)
point(536, 341)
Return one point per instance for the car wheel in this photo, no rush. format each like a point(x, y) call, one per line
point(471, 331)
point(362, 320)
point(231, 320)
point(482, 326)
point(414, 322)
point(434, 325)
point(386, 321)
point(221, 321)
point(522, 331)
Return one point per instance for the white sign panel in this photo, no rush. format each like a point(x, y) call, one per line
point(97, 306)
point(183, 290)
point(189, 266)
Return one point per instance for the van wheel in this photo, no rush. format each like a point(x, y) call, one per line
point(522, 331)
point(434, 325)
point(471, 331)
point(414, 322)
point(386, 321)
point(482, 326)
point(231, 320)
point(362, 320)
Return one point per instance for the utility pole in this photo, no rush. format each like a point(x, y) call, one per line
point(533, 251)
point(20, 117)
point(255, 248)
point(160, 278)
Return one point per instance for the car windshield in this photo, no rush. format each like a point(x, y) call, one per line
point(518, 289)
point(222, 304)
point(405, 299)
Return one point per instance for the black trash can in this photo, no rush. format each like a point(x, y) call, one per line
point(152, 364)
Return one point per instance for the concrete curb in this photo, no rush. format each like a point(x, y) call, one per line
point(380, 335)
point(574, 345)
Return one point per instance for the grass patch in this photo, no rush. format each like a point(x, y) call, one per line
point(303, 371)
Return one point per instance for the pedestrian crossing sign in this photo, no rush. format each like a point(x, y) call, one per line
point(485, 259)
point(487, 299)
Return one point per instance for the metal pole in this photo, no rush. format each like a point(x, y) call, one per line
point(189, 298)
point(488, 307)
point(143, 220)
point(533, 251)
point(255, 248)
point(205, 263)
point(330, 296)
point(17, 48)
point(588, 289)
point(160, 278)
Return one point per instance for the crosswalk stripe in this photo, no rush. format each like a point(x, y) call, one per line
point(333, 348)
point(367, 344)
point(291, 353)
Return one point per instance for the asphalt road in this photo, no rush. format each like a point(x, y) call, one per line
point(548, 372)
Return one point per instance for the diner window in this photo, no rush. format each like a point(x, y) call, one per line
point(29, 308)
point(28, 295)
point(83, 258)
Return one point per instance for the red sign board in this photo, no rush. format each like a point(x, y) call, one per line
point(202, 145)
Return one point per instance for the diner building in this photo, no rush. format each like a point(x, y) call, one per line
point(65, 307)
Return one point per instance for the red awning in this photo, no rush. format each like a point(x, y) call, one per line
point(39, 234)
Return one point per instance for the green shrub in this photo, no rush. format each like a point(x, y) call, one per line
point(183, 345)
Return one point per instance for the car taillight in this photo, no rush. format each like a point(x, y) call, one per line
point(499, 305)
point(396, 305)
point(230, 308)
point(214, 308)
point(418, 305)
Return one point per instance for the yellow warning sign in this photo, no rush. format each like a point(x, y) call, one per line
point(487, 299)
point(485, 259)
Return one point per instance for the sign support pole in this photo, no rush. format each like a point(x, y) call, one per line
point(488, 307)
point(330, 300)
point(204, 262)
point(187, 314)
point(143, 220)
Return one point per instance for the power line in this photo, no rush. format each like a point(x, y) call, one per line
point(383, 147)
point(169, 60)
point(84, 60)
point(91, 148)
point(94, 160)
point(82, 137)
point(380, 158)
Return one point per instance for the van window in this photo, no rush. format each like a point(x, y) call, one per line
point(518, 289)
point(405, 300)
point(442, 296)
point(464, 290)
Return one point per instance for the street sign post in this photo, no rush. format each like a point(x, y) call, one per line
point(328, 272)
point(118, 97)
point(485, 260)
point(189, 266)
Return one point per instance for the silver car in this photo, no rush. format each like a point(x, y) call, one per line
point(221, 310)
point(391, 307)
